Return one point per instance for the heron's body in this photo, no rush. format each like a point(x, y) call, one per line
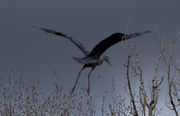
point(93, 58)
point(93, 64)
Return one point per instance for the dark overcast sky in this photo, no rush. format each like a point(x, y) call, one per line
point(37, 54)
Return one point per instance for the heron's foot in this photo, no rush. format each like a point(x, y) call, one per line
point(88, 91)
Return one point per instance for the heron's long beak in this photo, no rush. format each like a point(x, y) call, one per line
point(108, 62)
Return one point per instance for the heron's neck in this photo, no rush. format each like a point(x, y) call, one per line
point(100, 61)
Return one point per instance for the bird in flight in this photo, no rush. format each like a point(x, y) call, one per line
point(93, 58)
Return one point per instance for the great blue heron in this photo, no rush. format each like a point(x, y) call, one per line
point(93, 58)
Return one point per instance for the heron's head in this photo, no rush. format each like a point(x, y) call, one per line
point(106, 59)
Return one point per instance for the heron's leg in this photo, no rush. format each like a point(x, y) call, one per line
point(89, 75)
point(77, 80)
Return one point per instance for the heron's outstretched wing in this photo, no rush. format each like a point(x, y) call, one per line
point(73, 40)
point(133, 35)
point(100, 48)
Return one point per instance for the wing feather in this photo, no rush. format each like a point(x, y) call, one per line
point(73, 40)
point(101, 47)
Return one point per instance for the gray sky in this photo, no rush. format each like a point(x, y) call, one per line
point(37, 54)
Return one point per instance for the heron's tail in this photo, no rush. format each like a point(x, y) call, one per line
point(80, 60)
point(85, 60)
